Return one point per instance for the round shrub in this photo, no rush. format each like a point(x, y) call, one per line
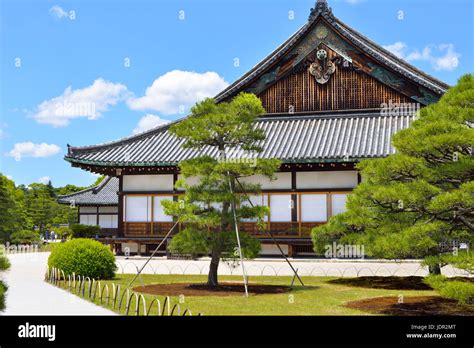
point(85, 257)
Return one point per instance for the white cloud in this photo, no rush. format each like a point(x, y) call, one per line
point(89, 102)
point(147, 122)
point(441, 57)
point(43, 179)
point(177, 90)
point(397, 48)
point(29, 149)
point(9, 177)
point(3, 134)
point(58, 12)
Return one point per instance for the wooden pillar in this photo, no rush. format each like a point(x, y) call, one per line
point(295, 204)
point(121, 216)
point(152, 213)
point(328, 205)
point(290, 250)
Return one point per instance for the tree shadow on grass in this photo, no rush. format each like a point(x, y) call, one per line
point(386, 283)
point(411, 306)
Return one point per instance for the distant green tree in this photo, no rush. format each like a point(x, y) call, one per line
point(98, 181)
point(419, 201)
point(40, 205)
point(205, 209)
point(24, 237)
point(84, 231)
point(50, 189)
point(68, 189)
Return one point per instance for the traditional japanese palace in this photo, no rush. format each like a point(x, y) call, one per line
point(332, 98)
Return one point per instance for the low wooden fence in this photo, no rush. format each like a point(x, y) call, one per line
point(120, 301)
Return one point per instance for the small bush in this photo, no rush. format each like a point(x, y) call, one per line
point(62, 231)
point(4, 263)
point(3, 290)
point(84, 231)
point(84, 257)
point(461, 291)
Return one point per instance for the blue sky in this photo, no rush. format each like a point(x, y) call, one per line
point(118, 67)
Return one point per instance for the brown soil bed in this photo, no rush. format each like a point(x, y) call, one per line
point(411, 306)
point(224, 289)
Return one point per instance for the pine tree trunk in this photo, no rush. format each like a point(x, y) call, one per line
point(435, 269)
point(212, 280)
point(212, 276)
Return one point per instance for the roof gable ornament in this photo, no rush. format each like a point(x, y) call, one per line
point(322, 9)
point(322, 68)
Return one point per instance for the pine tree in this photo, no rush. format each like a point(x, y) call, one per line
point(206, 208)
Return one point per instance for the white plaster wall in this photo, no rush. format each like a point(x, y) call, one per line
point(272, 249)
point(329, 179)
point(108, 209)
point(283, 181)
point(88, 209)
point(147, 182)
point(192, 180)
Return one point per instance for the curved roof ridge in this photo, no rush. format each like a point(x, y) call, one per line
point(407, 65)
point(102, 194)
point(128, 138)
point(79, 192)
point(435, 84)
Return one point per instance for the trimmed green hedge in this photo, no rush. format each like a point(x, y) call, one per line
point(85, 257)
point(84, 231)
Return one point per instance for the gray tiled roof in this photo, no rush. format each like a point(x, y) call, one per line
point(103, 194)
point(292, 139)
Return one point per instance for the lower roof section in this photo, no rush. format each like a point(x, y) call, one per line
point(292, 139)
point(103, 194)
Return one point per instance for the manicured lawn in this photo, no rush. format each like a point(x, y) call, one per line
point(320, 296)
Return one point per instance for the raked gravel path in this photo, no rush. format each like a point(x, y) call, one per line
point(29, 294)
